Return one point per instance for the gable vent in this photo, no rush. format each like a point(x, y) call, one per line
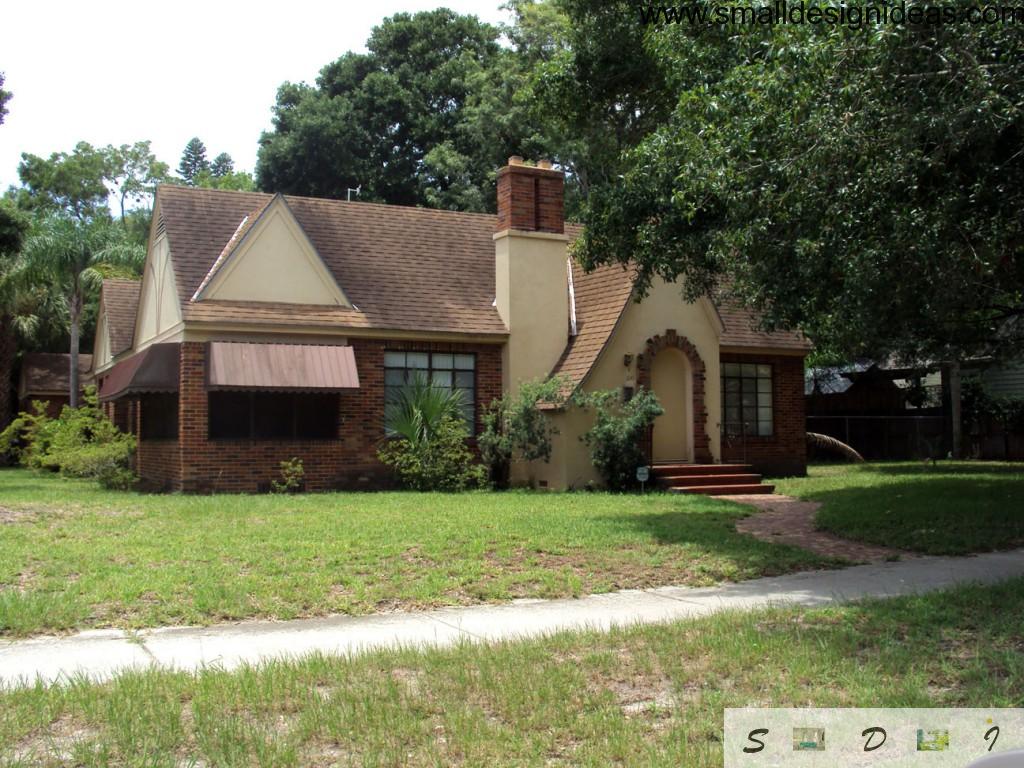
point(160, 228)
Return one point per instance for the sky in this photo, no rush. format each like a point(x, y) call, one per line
point(116, 72)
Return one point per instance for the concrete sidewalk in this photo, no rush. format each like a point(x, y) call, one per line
point(101, 654)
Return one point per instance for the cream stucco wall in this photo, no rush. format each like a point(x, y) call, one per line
point(532, 298)
point(662, 309)
point(159, 308)
point(275, 246)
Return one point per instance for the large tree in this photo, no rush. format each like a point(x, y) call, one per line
point(13, 227)
point(193, 160)
point(135, 172)
point(72, 257)
point(71, 183)
point(415, 120)
point(862, 184)
point(222, 165)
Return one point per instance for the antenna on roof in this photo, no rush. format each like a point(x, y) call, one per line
point(350, 190)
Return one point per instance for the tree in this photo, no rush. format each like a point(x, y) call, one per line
point(135, 172)
point(5, 96)
point(193, 160)
point(13, 227)
point(412, 121)
point(222, 165)
point(72, 183)
point(866, 188)
point(236, 180)
point(73, 256)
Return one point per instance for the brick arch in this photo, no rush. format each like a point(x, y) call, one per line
point(671, 339)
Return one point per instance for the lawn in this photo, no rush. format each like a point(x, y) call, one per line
point(651, 696)
point(73, 556)
point(949, 508)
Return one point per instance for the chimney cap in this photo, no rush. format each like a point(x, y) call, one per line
point(544, 163)
point(515, 160)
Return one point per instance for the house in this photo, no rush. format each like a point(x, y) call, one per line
point(46, 376)
point(267, 327)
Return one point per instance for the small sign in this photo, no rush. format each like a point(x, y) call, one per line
point(643, 474)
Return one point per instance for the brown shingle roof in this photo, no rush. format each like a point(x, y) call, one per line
point(741, 330)
point(121, 303)
point(412, 269)
point(49, 373)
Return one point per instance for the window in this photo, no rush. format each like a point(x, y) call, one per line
point(273, 416)
point(747, 399)
point(159, 416)
point(448, 370)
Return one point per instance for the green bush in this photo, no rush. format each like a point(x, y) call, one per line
point(428, 444)
point(619, 427)
point(516, 429)
point(81, 442)
point(293, 477)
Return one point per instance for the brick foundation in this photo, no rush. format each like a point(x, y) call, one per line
point(194, 463)
point(785, 452)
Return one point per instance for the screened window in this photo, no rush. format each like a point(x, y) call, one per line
point(747, 399)
point(273, 416)
point(159, 415)
point(448, 370)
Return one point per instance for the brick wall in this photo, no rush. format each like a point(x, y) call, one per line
point(531, 199)
point(195, 463)
point(785, 452)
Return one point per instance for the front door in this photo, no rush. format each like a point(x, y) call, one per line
point(671, 381)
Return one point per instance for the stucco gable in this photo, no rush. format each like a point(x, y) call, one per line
point(270, 259)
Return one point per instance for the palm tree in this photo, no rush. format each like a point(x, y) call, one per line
point(72, 257)
point(13, 226)
point(419, 409)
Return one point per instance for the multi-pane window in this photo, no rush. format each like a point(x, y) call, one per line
point(450, 371)
point(747, 399)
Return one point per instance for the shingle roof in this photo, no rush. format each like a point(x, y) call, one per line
point(44, 373)
point(121, 302)
point(414, 269)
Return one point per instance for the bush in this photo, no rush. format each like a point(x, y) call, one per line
point(293, 477)
point(81, 442)
point(516, 429)
point(428, 447)
point(615, 438)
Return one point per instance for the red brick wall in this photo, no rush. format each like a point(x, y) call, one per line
point(204, 465)
point(785, 452)
point(531, 199)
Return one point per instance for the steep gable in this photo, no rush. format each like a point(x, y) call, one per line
point(159, 310)
point(270, 259)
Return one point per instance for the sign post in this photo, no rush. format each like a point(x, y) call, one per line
point(643, 474)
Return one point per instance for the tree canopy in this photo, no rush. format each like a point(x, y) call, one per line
point(862, 184)
point(5, 96)
point(193, 160)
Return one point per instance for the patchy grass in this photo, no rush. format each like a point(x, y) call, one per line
point(651, 696)
point(948, 508)
point(74, 556)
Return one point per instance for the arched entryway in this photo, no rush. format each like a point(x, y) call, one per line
point(672, 382)
point(683, 402)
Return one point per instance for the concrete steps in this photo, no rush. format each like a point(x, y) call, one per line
point(709, 479)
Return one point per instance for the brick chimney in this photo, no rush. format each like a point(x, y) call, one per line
point(531, 198)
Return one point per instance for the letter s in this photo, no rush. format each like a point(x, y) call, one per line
point(752, 736)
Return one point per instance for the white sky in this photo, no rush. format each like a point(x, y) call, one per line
point(120, 71)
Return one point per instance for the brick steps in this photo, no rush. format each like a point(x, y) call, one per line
point(709, 479)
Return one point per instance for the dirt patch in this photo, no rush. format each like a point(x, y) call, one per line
point(54, 744)
point(8, 515)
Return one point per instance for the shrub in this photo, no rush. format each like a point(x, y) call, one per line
point(516, 429)
point(27, 436)
point(428, 447)
point(615, 438)
point(293, 477)
point(81, 442)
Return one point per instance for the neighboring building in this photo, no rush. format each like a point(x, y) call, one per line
point(269, 327)
point(46, 376)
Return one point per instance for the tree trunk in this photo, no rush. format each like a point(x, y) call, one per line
point(76, 312)
point(8, 350)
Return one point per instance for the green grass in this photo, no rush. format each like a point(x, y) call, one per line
point(949, 508)
point(73, 556)
point(651, 696)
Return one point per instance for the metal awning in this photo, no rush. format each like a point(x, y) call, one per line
point(281, 367)
point(154, 369)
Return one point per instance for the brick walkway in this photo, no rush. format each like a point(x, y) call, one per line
point(786, 520)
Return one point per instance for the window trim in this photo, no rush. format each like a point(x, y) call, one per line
point(743, 434)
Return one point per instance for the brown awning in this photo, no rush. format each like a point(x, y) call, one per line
point(154, 369)
point(284, 367)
